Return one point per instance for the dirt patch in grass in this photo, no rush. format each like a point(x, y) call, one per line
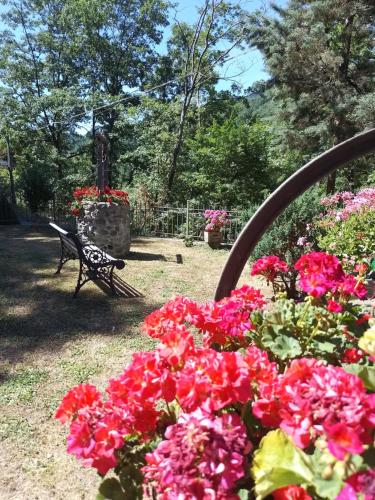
point(50, 342)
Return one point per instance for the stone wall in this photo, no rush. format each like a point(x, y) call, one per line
point(106, 225)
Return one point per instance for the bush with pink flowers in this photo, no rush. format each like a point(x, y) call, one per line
point(242, 398)
point(347, 228)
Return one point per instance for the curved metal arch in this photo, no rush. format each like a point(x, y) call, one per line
point(287, 192)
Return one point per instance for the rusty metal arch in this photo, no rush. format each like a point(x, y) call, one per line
point(287, 192)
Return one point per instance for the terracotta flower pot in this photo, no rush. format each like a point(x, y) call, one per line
point(213, 238)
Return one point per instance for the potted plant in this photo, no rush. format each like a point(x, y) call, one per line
point(275, 401)
point(103, 218)
point(215, 220)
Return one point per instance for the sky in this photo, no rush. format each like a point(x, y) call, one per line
point(245, 67)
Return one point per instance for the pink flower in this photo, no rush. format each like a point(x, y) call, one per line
point(269, 267)
point(311, 397)
point(226, 322)
point(361, 482)
point(342, 440)
point(202, 455)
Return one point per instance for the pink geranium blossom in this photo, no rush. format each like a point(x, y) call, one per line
point(342, 440)
point(202, 457)
point(269, 267)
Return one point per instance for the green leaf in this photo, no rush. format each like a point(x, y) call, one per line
point(328, 479)
point(277, 463)
point(243, 494)
point(282, 345)
point(364, 372)
point(111, 489)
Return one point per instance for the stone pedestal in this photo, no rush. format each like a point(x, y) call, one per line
point(106, 225)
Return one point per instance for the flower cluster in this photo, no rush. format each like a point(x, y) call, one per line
point(202, 456)
point(321, 272)
point(312, 399)
point(93, 193)
point(215, 219)
point(269, 267)
point(359, 483)
point(201, 408)
point(342, 205)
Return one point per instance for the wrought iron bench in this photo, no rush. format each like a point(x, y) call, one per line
point(94, 263)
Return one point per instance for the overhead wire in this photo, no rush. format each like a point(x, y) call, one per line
point(130, 95)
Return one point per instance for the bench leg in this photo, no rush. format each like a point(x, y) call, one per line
point(61, 263)
point(111, 284)
point(65, 256)
point(83, 277)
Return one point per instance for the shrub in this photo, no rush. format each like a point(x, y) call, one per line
point(348, 226)
point(268, 402)
point(36, 187)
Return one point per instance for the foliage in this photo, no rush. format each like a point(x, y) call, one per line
point(319, 55)
point(188, 241)
point(36, 188)
point(348, 226)
point(227, 161)
point(221, 418)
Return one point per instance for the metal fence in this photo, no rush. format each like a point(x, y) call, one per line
point(51, 212)
point(180, 222)
point(146, 220)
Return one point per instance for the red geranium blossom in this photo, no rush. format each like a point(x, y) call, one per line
point(291, 492)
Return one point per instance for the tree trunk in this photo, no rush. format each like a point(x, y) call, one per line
point(177, 148)
point(11, 177)
point(331, 183)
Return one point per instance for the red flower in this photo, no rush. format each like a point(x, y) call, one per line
point(75, 212)
point(334, 307)
point(82, 396)
point(352, 355)
point(291, 492)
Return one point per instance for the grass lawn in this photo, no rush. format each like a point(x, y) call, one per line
point(51, 342)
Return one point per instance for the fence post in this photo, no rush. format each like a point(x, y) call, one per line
point(187, 219)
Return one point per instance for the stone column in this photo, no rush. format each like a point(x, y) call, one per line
point(106, 225)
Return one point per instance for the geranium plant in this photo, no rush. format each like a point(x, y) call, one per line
point(274, 400)
point(215, 219)
point(93, 193)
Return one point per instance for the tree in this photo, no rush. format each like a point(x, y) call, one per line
point(39, 80)
point(114, 43)
point(320, 56)
point(229, 164)
point(197, 50)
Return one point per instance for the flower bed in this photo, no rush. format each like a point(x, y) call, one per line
point(275, 400)
point(94, 194)
point(103, 218)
